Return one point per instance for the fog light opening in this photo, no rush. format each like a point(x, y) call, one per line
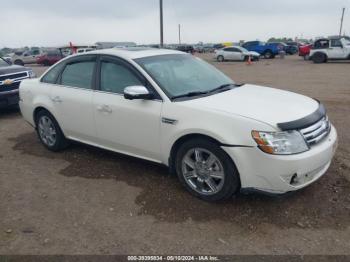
point(294, 179)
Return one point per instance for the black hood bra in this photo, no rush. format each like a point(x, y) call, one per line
point(305, 121)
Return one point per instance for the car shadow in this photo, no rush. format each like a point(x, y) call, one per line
point(325, 204)
point(9, 112)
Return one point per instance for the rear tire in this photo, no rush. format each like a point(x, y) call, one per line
point(206, 170)
point(49, 131)
point(46, 63)
point(319, 58)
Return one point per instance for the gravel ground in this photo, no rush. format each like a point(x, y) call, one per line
point(90, 201)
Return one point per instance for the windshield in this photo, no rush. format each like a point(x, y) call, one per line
point(3, 62)
point(180, 74)
point(243, 49)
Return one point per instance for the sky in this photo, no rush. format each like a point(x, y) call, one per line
point(56, 22)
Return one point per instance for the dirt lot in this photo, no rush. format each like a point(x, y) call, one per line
point(89, 201)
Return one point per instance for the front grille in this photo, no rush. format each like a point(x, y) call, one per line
point(6, 88)
point(14, 76)
point(317, 132)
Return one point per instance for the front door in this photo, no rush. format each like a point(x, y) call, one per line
point(336, 50)
point(126, 126)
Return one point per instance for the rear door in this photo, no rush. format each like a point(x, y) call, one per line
point(230, 53)
point(72, 98)
point(237, 54)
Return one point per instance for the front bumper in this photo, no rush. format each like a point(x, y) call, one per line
point(9, 98)
point(274, 173)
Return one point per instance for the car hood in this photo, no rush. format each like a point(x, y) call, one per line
point(5, 70)
point(269, 105)
point(253, 53)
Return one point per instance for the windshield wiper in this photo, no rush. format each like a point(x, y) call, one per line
point(190, 94)
point(222, 88)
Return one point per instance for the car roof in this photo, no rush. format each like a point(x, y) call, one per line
point(135, 52)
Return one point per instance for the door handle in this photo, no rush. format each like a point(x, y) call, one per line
point(56, 99)
point(104, 109)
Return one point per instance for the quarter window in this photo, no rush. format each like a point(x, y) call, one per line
point(78, 74)
point(116, 77)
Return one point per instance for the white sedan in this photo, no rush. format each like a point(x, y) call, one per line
point(175, 109)
point(235, 53)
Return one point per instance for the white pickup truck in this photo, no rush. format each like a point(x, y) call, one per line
point(333, 48)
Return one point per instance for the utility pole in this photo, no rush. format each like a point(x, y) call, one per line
point(179, 34)
point(161, 23)
point(341, 21)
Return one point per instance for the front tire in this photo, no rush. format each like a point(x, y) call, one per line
point(206, 171)
point(268, 54)
point(49, 132)
point(19, 62)
point(220, 58)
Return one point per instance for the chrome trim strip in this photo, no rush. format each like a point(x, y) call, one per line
point(12, 92)
point(27, 72)
point(15, 80)
point(316, 132)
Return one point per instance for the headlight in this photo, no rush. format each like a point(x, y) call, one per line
point(31, 74)
point(280, 143)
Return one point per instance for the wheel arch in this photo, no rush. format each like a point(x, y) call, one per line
point(320, 52)
point(18, 61)
point(268, 51)
point(38, 109)
point(176, 145)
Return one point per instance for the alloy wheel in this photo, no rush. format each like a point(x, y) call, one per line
point(203, 171)
point(47, 131)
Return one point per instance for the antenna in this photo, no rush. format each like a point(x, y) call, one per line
point(161, 23)
point(179, 34)
point(341, 21)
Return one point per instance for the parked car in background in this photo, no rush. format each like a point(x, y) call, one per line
point(304, 51)
point(49, 58)
point(185, 48)
point(175, 109)
point(267, 50)
point(27, 57)
point(279, 46)
point(198, 49)
point(218, 46)
point(74, 48)
point(291, 48)
point(235, 53)
point(84, 50)
point(334, 48)
point(10, 78)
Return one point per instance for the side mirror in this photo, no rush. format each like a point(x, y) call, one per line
point(137, 92)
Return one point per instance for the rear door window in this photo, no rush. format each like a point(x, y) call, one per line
point(79, 73)
point(51, 76)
